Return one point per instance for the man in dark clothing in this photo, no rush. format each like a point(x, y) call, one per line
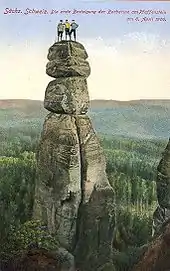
point(74, 26)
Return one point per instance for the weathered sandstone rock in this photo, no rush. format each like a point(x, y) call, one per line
point(67, 96)
point(96, 213)
point(73, 195)
point(157, 255)
point(68, 67)
point(67, 59)
point(58, 192)
point(95, 230)
point(92, 157)
point(62, 50)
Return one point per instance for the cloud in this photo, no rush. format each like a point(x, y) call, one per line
point(134, 67)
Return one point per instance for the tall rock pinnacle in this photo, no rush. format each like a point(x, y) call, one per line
point(73, 195)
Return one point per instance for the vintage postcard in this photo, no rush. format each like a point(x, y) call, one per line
point(84, 135)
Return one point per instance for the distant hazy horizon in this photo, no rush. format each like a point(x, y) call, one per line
point(91, 100)
point(129, 61)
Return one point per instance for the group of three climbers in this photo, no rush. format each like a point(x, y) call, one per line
point(68, 28)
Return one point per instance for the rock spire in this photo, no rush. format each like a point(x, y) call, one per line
point(73, 195)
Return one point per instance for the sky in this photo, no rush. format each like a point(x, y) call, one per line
point(129, 59)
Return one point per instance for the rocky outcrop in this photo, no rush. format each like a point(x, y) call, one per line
point(73, 195)
point(67, 96)
point(162, 213)
point(67, 60)
point(62, 50)
point(96, 226)
point(157, 254)
point(58, 188)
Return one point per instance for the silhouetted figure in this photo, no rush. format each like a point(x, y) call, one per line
point(67, 29)
point(60, 30)
point(73, 26)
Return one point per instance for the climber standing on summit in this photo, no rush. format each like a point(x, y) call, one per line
point(74, 26)
point(60, 30)
point(67, 29)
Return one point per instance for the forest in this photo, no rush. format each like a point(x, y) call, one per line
point(131, 169)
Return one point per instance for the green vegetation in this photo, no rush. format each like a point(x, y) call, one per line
point(131, 169)
point(17, 176)
point(31, 234)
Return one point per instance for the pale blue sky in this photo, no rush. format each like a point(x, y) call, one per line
point(41, 27)
point(129, 60)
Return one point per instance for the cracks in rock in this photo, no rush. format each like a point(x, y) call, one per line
point(159, 174)
point(83, 173)
point(69, 198)
point(69, 49)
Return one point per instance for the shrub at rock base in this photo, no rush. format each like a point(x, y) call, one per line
point(31, 235)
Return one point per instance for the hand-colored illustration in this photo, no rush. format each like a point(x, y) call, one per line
point(68, 28)
point(84, 132)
